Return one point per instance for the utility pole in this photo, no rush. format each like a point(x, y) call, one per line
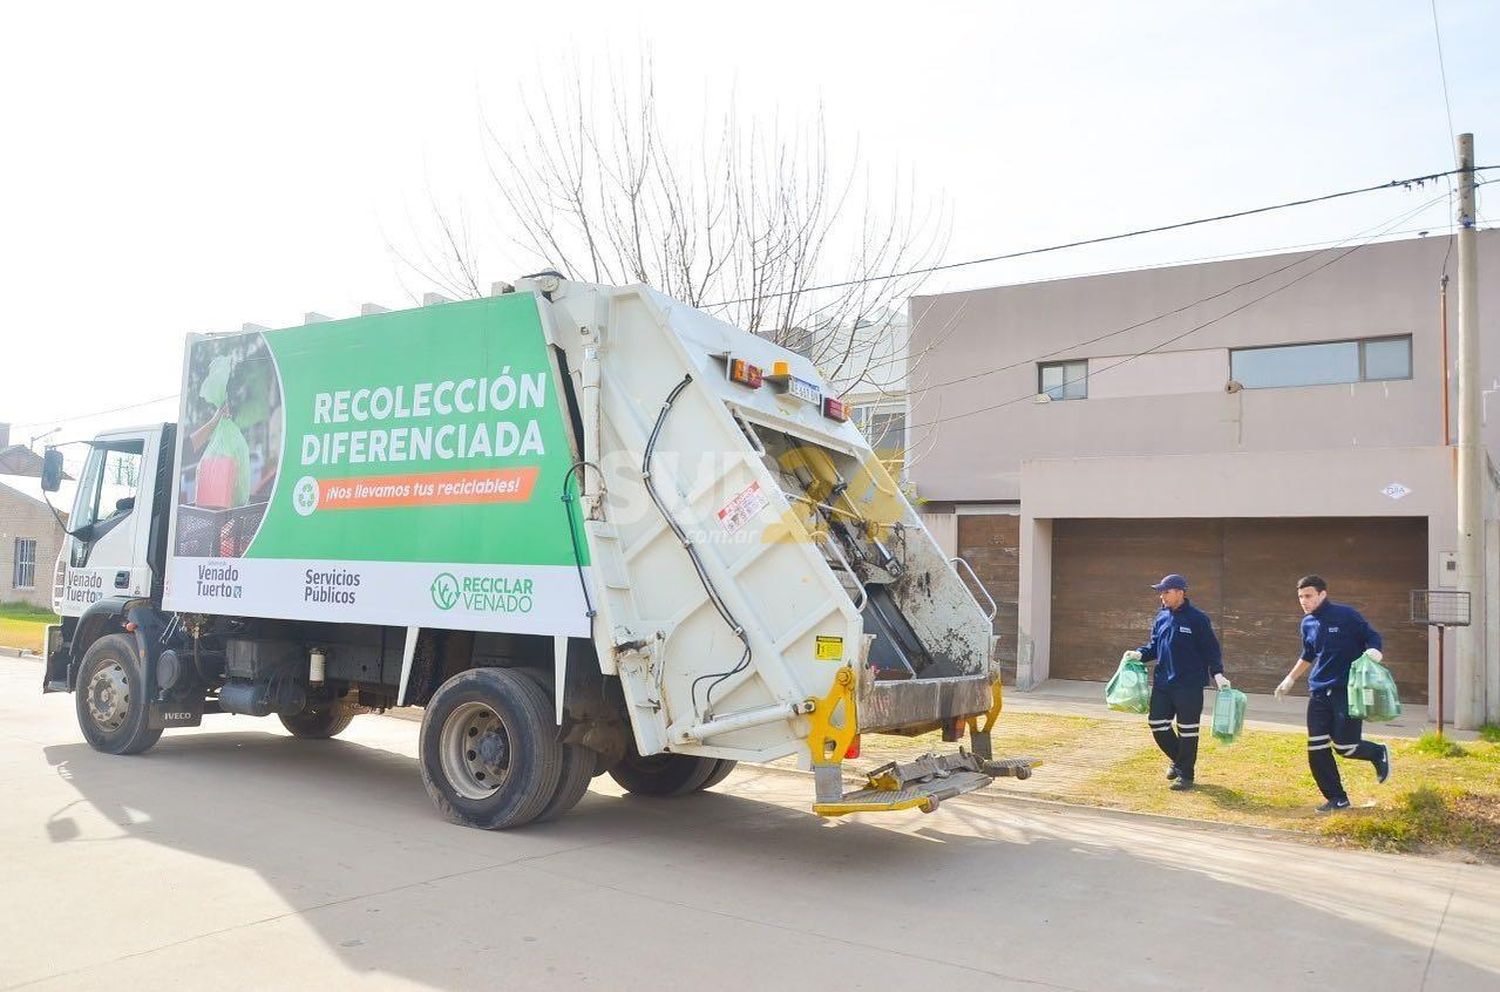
point(1469, 702)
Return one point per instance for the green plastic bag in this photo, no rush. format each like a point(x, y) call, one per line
point(1372, 691)
point(215, 387)
point(228, 444)
point(1129, 691)
point(1229, 715)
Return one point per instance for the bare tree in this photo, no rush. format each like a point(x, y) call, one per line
point(753, 223)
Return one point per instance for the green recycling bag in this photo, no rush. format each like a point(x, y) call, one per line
point(227, 454)
point(1372, 691)
point(215, 387)
point(1129, 691)
point(1229, 715)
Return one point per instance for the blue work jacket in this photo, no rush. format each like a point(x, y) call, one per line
point(1183, 646)
point(1334, 635)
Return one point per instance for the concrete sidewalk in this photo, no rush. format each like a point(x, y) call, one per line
point(1070, 697)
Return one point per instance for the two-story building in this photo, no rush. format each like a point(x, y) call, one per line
point(1242, 422)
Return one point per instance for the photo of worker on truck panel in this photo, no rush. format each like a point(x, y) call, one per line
point(231, 448)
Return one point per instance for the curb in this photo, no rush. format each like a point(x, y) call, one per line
point(21, 653)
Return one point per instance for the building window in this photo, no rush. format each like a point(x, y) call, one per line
point(1322, 364)
point(23, 575)
point(882, 424)
point(1063, 380)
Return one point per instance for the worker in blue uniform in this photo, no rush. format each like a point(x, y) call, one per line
point(1186, 653)
point(1333, 636)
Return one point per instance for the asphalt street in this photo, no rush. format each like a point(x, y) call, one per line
point(237, 857)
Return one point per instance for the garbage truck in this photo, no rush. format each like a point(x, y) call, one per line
point(588, 529)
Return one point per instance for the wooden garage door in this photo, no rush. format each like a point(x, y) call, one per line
point(1243, 574)
point(991, 543)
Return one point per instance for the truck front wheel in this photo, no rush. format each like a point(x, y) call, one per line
point(111, 698)
point(663, 774)
point(489, 751)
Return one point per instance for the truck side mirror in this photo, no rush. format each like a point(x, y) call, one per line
point(52, 470)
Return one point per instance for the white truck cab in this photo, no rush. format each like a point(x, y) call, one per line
point(109, 532)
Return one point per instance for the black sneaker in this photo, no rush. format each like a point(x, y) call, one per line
point(1383, 764)
point(1174, 773)
point(1333, 806)
point(1181, 785)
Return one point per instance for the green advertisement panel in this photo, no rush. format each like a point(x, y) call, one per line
point(402, 468)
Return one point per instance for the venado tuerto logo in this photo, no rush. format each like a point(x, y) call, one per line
point(445, 591)
point(483, 593)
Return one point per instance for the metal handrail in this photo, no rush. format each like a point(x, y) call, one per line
point(994, 608)
point(864, 597)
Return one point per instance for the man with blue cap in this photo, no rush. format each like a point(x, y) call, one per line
point(1186, 653)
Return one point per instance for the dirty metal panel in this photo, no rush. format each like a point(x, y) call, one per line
point(889, 705)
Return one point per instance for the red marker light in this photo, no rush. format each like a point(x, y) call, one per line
point(853, 750)
point(744, 373)
point(835, 409)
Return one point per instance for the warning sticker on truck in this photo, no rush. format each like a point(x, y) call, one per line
point(738, 511)
point(830, 648)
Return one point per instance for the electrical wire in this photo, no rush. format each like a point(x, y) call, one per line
point(568, 499)
point(1437, 35)
point(97, 413)
point(687, 544)
point(1382, 228)
point(1031, 396)
point(1103, 239)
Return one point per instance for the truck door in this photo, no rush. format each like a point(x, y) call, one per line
point(110, 523)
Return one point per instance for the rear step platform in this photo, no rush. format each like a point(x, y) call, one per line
point(924, 783)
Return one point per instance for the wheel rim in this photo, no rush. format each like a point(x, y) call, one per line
point(109, 696)
point(475, 750)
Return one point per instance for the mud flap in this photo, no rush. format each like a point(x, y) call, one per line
point(164, 715)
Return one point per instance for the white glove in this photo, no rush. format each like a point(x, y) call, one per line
point(1132, 656)
point(1374, 653)
point(1221, 681)
point(1285, 687)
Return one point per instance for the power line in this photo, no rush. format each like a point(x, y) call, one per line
point(1382, 230)
point(1103, 239)
point(1437, 34)
point(1031, 396)
point(1392, 184)
point(98, 413)
point(1442, 69)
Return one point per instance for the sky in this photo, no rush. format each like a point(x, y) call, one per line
point(184, 168)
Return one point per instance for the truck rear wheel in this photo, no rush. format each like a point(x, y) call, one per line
point(325, 720)
point(489, 753)
point(573, 783)
point(719, 774)
point(663, 774)
point(111, 698)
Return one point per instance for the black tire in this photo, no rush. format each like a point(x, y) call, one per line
point(325, 720)
point(509, 715)
point(112, 704)
point(572, 784)
point(662, 775)
point(719, 774)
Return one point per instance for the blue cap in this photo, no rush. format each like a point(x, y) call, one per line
point(1173, 581)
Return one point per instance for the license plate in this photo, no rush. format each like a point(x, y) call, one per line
point(803, 390)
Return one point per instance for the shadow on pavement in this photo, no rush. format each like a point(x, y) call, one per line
point(727, 892)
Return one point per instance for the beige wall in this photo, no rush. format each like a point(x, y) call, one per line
point(23, 517)
point(1379, 290)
